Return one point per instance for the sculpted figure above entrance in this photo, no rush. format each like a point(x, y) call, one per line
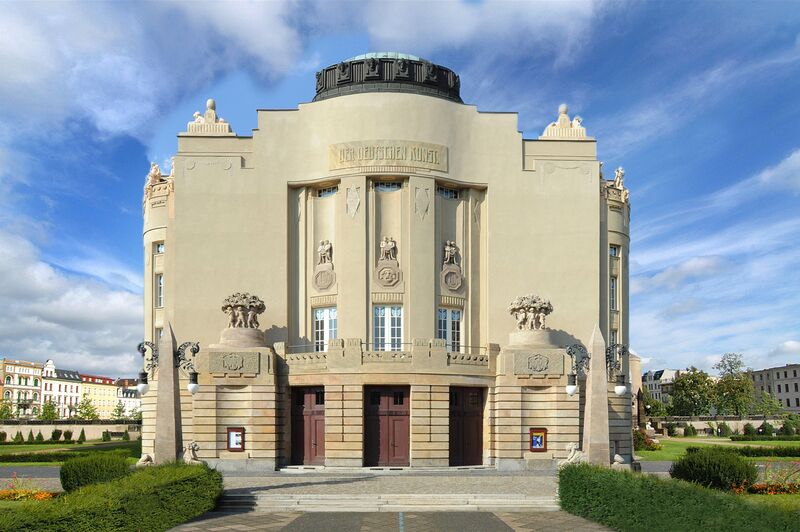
point(243, 310)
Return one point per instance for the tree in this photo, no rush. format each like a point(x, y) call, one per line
point(653, 407)
point(119, 411)
point(767, 405)
point(693, 394)
point(6, 409)
point(734, 390)
point(49, 411)
point(86, 410)
point(136, 415)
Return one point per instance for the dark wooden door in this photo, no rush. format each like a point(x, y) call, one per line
point(308, 426)
point(386, 432)
point(466, 426)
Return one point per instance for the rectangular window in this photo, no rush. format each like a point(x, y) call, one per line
point(159, 333)
point(448, 193)
point(613, 251)
point(779, 388)
point(785, 374)
point(612, 293)
point(613, 337)
point(159, 290)
point(158, 247)
point(788, 403)
point(794, 373)
point(797, 401)
point(795, 386)
point(327, 191)
point(387, 328)
point(387, 186)
point(448, 328)
point(325, 325)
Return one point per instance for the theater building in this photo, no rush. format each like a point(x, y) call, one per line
point(387, 277)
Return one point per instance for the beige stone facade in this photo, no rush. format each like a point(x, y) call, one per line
point(387, 232)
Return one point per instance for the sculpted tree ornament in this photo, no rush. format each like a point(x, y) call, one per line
point(242, 310)
point(530, 311)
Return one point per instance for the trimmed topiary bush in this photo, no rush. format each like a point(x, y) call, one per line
point(766, 429)
point(106, 435)
point(690, 431)
point(154, 499)
point(3, 436)
point(714, 467)
point(749, 429)
point(82, 437)
point(126, 436)
point(759, 437)
point(55, 435)
point(633, 502)
point(724, 430)
point(39, 437)
point(788, 428)
point(68, 436)
point(30, 437)
point(670, 429)
point(18, 438)
point(93, 468)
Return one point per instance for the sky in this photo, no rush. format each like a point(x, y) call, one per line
point(697, 100)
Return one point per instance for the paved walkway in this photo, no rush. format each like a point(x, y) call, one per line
point(401, 522)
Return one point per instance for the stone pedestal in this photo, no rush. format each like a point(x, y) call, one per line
point(168, 444)
point(241, 337)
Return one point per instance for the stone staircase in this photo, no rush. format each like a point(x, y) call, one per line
point(244, 501)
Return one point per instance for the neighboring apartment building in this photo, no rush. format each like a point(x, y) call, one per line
point(129, 396)
point(22, 385)
point(659, 383)
point(388, 227)
point(102, 391)
point(781, 382)
point(62, 387)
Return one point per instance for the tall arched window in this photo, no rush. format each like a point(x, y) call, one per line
point(7, 395)
point(8, 379)
point(35, 396)
point(36, 382)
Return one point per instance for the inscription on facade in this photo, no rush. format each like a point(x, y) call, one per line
point(243, 362)
point(527, 363)
point(359, 154)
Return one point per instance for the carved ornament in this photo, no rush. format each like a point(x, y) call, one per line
point(564, 128)
point(387, 272)
point(209, 123)
point(242, 310)
point(530, 312)
point(324, 276)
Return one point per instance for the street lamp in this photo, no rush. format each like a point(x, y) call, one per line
point(620, 388)
point(615, 353)
point(181, 359)
point(580, 365)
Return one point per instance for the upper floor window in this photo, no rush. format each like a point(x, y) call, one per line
point(8, 379)
point(159, 247)
point(613, 251)
point(327, 191)
point(613, 337)
point(387, 186)
point(387, 328)
point(448, 193)
point(159, 333)
point(612, 293)
point(325, 325)
point(160, 290)
point(448, 328)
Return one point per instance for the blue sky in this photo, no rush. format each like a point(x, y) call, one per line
point(698, 101)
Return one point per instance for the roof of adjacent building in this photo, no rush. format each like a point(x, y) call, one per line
point(67, 375)
point(103, 380)
point(388, 72)
point(128, 383)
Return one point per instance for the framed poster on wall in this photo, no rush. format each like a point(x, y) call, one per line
point(538, 439)
point(236, 439)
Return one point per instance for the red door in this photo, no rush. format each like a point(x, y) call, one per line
point(386, 432)
point(466, 426)
point(308, 426)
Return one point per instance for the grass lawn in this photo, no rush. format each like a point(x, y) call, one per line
point(672, 448)
point(133, 447)
point(786, 502)
point(16, 448)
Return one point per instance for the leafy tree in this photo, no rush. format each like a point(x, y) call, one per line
point(119, 411)
point(767, 405)
point(49, 411)
point(6, 409)
point(86, 410)
point(136, 415)
point(693, 394)
point(656, 408)
point(734, 390)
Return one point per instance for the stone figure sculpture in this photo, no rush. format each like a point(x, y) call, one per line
point(145, 460)
point(574, 456)
point(242, 310)
point(530, 312)
point(450, 252)
point(619, 177)
point(190, 454)
point(388, 249)
point(154, 176)
point(387, 272)
point(325, 252)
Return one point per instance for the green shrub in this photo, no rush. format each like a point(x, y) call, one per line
point(60, 456)
point(93, 468)
point(759, 437)
point(67, 435)
point(788, 428)
point(749, 429)
point(39, 437)
point(629, 502)
point(690, 431)
point(82, 437)
point(106, 435)
point(153, 499)
point(786, 451)
point(18, 438)
point(724, 430)
point(670, 428)
point(55, 435)
point(766, 429)
point(3, 436)
point(714, 467)
point(126, 436)
point(638, 440)
point(30, 437)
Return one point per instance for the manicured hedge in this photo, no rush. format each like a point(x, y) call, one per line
point(626, 501)
point(96, 467)
point(747, 450)
point(60, 456)
point(151, 499)
point(714, 467)
point(763, 437)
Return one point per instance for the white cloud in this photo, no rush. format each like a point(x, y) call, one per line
point(681, 273)
point(787, 348)
point(80, 322)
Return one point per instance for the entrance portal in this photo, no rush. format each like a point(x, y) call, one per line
point(308, 426)
point(466, 426)
point(386, 432)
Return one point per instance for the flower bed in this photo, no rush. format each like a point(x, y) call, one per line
point(23, 489)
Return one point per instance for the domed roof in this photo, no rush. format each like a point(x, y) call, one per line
point(388, 72)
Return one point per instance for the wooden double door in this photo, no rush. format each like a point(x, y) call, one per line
point(308, 426)
point(466, 426)
point(386, 425)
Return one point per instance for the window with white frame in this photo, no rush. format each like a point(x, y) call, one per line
point(387, 186)
point(612, 293)
point(327, 191)
point(448, 328)
point(387, 328)
point(613, 338)
point(160, 290)
point(613, 251)
point(447, 193)
point(158, 247)
point(324, 327)
point(159, 333)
